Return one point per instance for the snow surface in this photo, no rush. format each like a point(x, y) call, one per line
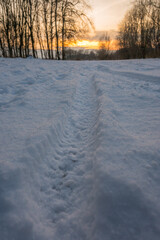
point(79, 150)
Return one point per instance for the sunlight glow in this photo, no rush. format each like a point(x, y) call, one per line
point(85, 44)
point(88, 44)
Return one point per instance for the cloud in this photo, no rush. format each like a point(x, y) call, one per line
point(97, 35)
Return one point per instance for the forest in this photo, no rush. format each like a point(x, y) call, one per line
point(45, 25)
point(139, 32)
point(42, 29)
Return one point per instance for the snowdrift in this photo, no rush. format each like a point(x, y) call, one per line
point(79, 145)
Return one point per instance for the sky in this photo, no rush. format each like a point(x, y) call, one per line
point(108, 13)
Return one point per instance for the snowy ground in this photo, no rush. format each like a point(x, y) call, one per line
point(79, 150)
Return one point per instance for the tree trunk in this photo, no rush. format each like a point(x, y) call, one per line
point(56, 30)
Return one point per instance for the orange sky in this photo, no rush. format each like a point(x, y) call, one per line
point(89, 44)
point(106, 15)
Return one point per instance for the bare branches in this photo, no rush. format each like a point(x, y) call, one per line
point(139, 32)
point(40, 26)
point(74, 20)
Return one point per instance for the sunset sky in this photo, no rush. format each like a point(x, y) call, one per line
point(108, 13)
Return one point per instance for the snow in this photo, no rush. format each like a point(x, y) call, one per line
point(79, 150)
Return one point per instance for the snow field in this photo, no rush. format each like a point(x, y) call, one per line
point(79, 150)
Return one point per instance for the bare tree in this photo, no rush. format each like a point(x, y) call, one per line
point(74, 21)
point(139, 32)
point(46, 24)
point(104, 47)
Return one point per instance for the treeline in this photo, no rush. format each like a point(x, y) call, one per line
point(41, 27)
point(139, 32)
point(86, 54)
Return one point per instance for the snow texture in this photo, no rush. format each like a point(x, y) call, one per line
point(79, 150)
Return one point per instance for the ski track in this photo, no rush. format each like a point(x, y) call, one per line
point(74, 153)
point(97, 164)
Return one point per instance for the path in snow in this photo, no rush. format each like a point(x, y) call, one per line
point(74, 155)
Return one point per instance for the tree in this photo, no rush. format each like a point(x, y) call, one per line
point(74, 21)
point(139, 32)
point(28, 24)
point(104, 47)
